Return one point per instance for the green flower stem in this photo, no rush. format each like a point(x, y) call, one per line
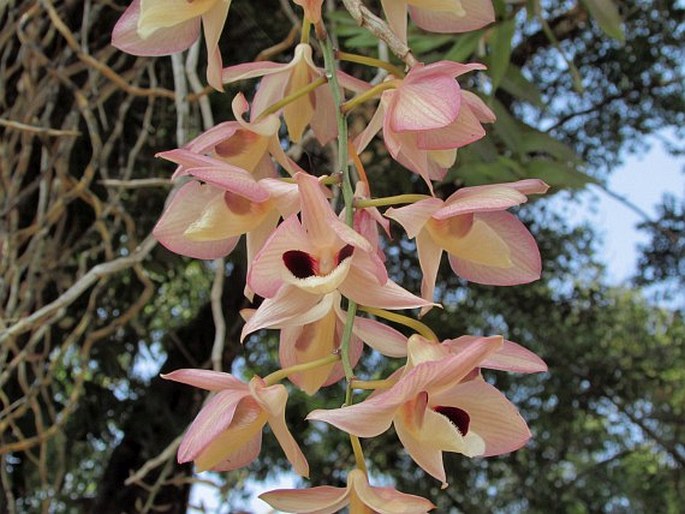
point(358, 453)
point(370, 94)
point(292, 97)
point(370, 61)
point(306, 29)
point(372, 384)
point(348, 195)
point(277, 376)
point(330, 180)
point(362, 203)
point(412, 323)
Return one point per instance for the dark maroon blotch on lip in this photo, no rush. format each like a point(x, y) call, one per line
point(300, 263)
point(344, 253)
point(459, 417)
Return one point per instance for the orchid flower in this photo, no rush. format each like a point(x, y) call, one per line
point(304, 261)
point(206, 219)
point(247, 145)
point(485, 244)
point(427, 117)
point(438, 15)
point(227, 433)
point(164, 27)
point(303, 342)
point(359, 495)
point(434, 410)
point(281, 80)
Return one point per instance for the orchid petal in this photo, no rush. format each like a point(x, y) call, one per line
point(250, 70)
point(494, 197)
point(385, 500)
point(323, 121)
point(478, 107)
point(426, 443)
point(213, 22)
point(504, 233)
point(413, 217)
point(363, 288)
point(420, 349)
point(265, 276)
point(290, 304)
point(186, 206)
point(215, 417)
point(478, 14)
point(323, 499)
point(462, 131)
point(423, 103)
point(372, 127)
point(396, 14)
point(511, 357)
point(165, 41)
point(429, 255)
point(156, 14)
point(207, 140)
point(273, 399)
point(492, 417)
point(239, 456)
point(380, 337)
point(206, 379)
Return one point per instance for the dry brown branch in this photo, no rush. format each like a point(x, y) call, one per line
point(365, 18)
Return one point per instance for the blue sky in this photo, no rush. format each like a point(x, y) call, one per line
point(643, 180)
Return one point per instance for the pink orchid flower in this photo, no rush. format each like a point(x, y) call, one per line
point(485, 244)
point(304, 261)
point(358, 495)
point(164, 27)
point(434, 410)
point(280, 80)
point(244, 144)
point(448, 16)
point(427, 118)
point(227, 433)
point(207, 216)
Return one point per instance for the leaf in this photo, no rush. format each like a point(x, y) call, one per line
point(464, 47)
point(536, 142)
point(500, 51)
point(558, 175)
point(516, 84)
point(424, 43)
point(607, 16)
point(508, 128)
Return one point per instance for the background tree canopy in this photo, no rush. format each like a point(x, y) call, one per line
point(91, 310)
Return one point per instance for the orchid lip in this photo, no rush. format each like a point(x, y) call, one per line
point(304, 265)
point(459, 417)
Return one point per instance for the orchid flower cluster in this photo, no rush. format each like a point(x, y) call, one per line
point(319, 266)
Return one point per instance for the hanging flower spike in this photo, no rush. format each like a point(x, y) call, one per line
point(227, 433)
point(484, 243)
point(281, 80)
point(448, 16)
point(164, 27)
point(427, 118)
point(359, 495)
point(304, 261)
point(247, 145)
point(433, 411)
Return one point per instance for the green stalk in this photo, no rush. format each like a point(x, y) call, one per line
point(277, 376)
point(362, 203)
point(348, 196)
point(371, 61)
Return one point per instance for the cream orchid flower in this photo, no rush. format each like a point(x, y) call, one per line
point(207, 216)
point(164, 27)
point(434, 410)
point(303, 262)
point(361, 498)
point(227, 433)
point(484, 243)
point(280, 80)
